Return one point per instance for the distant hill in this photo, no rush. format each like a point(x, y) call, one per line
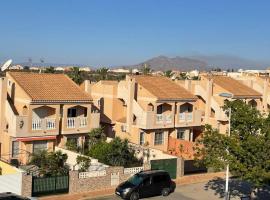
point(176, 63)
point(201, 62)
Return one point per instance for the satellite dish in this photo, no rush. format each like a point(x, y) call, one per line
point(6, 65)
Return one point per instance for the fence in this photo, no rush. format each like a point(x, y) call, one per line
point(128, 171)
point(92, 174)
point(133, 170)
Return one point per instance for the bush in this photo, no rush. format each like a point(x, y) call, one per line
point(50, 163)
point(83, 162)
point(115, 153)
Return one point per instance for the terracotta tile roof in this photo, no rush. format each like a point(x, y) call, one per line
point(163, 88)
point(235, 87)
point(50, 87)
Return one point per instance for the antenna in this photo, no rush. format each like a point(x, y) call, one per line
point(6, 65)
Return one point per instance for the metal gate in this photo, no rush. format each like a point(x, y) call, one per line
point(48, 185)
point(191, 168)
point(169, 165)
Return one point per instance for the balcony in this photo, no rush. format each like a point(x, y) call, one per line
point(163, 119)
point(25, 126)
point(151, 120)
point(189, 119)
point(77, 122)
point(73, 125)
point(43, 124)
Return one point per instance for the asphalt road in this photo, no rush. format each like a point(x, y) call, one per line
point(173, 196)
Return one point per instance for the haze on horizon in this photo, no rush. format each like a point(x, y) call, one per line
point(119, 32)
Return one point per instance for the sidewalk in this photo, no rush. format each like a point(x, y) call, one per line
point(185, 180)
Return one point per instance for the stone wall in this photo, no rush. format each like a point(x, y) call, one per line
point(77, 185)
point(180, 167)
point(26, 185)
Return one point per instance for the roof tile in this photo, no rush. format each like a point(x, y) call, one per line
point(50, 87)
point(163, 88)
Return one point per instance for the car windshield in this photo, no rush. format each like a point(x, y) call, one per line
point(135, 180)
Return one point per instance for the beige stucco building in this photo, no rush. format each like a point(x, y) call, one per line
point(147, 110)
point(209, 90)
point(41, 111)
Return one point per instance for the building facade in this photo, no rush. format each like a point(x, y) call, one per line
point(147, 110)
point(41, 111)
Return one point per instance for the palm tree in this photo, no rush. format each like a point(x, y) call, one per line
point(76, 75)
point(103, 73)
point(145, 69)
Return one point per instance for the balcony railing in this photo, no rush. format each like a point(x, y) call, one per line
point(83, 121)
point(36, 124)
point(162, 118)
point(73, 122)
point(50, 123)
point(186, 117)
point(46, 123)
point(159, 118)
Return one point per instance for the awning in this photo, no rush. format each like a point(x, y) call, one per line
point(29, 139)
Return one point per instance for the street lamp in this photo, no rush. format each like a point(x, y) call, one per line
point(227, 95)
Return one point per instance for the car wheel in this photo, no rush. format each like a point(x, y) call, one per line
point(165, 192)
point(134, 196)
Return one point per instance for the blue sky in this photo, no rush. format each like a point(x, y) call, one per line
point(115, 32)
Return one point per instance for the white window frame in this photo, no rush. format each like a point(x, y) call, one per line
point(142, 138)
point(179, 132)
point(159, 142)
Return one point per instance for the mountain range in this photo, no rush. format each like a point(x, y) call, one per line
point(201, 62)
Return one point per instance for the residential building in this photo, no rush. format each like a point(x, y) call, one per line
point(41, 111)
point(209, 90)
point(147, 110)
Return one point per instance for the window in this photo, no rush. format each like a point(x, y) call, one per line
point(141, 138)
point(180, 134)
point(9, 83)
point(72, 112)
point(160, 178)
point(15, 149)
point(39, 146)
point(158, 138)
point(146, 181)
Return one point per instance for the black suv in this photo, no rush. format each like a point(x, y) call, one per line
point(146, 184)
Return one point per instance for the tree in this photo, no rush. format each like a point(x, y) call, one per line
point(50, 163)
point(83, 162)
point(95, 136)
point(145, 69)
point(168, 73)
point(72, 145)
point(247, 150)
point(115, 153)
point(76, 75)
point(50, 70)
point(103, 73)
